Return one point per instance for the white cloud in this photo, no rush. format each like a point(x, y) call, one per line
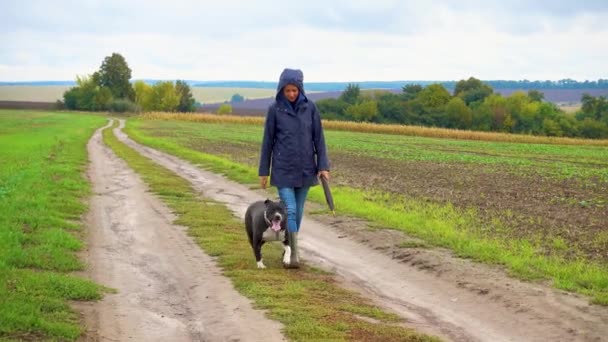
point(330, 41)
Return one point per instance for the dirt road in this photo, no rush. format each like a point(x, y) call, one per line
point(168, 289)
point(453, 298)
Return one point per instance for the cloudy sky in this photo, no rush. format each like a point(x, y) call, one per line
point(329, 40)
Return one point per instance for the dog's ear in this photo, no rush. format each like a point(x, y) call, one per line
point(267, 201)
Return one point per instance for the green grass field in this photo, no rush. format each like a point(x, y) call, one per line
point(537, 209)
point(42, 197)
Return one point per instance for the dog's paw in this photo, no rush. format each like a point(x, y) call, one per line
point(261, 264)
point(287, 255)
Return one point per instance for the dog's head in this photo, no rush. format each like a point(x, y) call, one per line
point(275, 215)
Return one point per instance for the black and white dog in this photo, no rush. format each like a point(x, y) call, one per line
point(266, 221)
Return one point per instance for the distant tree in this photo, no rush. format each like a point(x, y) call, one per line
point(364, 111)
point(472, 90)
point(331, 108)
point(186, 100)
point(595, 108)
point(434, 97)
point(458, 114)
point(237, 98)
point(516, 104)
point(552, 128)
point(569, 125)
point(144, 96)
point(70, 98)
point(115, 74)
point(351, 94)
point(498, 111)
point(391, 108)
point(87, 95)
point(410, 91)
point(482, 117)
point(536, 95)
point(224, 108)
point(165, 97)
point(590, 128)
point(464, 85)
point(530, 120)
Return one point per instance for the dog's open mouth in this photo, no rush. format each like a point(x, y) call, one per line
point(276, 225)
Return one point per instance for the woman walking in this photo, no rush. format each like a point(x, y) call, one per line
point(293, 152)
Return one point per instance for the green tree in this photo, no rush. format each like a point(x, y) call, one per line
point(434, 97)
point(237, 98)
point(594, 107)
point(509, 123)
point(224, 108)
point(391, 108)
point(351, 94)
point(569, 125)
point(590, 128)
point(115, 74)
point(536, 96)
point(165, 97)
point(498, 110)
point(70, 98)
point(458, 114)
point(332, 108)
point(552, 128)
point(87, 95)
point(530, 120)
point(186, 100)
point(472, 90)
point(364, 111)
point(482, 117)
point(410, 91)
point(144, 96)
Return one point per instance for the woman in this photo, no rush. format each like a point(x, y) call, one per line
point(294, 147)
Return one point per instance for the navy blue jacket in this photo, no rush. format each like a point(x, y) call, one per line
point(293, 144)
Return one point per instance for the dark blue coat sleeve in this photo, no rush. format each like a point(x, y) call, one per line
point(267, 143)
point(319, 141)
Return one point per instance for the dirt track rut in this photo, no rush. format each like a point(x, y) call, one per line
point(168, 289)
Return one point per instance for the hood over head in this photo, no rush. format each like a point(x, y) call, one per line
point(291, 76)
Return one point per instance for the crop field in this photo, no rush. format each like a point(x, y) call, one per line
point(546, 201)
point(54, 93)
point(214, 95)
point(32, 93)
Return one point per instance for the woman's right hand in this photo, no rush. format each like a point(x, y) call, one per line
point(263, 181)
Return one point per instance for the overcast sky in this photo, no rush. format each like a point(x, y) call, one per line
point(328, 40)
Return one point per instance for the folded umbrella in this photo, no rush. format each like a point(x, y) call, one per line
point(328, 197)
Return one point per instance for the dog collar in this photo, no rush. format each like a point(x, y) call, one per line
point(268, 222)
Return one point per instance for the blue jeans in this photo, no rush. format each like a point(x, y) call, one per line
point(294, 199)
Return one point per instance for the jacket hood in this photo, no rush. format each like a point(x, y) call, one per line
point(291, 76)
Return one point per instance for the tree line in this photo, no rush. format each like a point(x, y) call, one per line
point(566, 83)
point(473, 105)
point(110, 88)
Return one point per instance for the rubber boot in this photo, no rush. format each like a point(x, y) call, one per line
point(293, 245)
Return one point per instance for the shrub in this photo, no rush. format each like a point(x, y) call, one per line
point(224, 109)
point(123, 106)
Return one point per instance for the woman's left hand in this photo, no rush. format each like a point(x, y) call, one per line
point(324, 174)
